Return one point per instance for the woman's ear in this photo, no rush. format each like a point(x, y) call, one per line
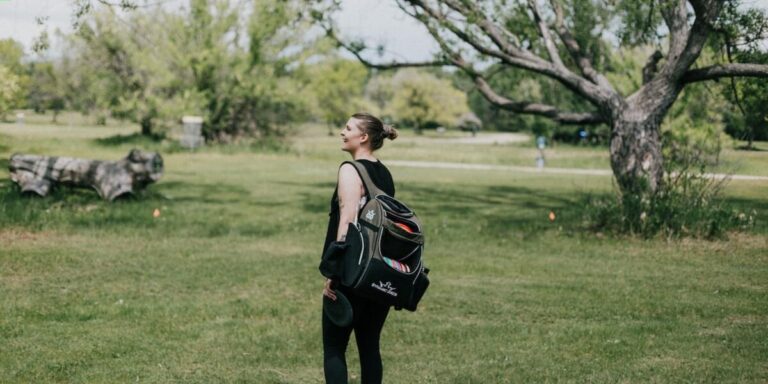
point(363, 138)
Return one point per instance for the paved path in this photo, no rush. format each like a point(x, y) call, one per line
point(550, 170)
point(480, 139)
point(493, 138)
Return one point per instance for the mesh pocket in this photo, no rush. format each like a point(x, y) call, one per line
point(393, 206)
point(397, 247)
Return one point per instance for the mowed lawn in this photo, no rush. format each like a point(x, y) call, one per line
point(223, 287)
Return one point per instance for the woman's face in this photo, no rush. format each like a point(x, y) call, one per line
point(352, 137)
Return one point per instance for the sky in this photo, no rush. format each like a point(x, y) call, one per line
point(377, 21)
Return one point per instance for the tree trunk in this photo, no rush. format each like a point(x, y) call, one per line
point(111, 179)
point(146, 126)
point(636, 157)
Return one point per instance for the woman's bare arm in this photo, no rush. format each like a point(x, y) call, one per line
point(350, 192)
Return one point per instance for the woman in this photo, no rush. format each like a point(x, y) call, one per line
point(362, 135)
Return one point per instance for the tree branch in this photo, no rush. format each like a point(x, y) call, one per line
point(600, 96)
point(675, 16)
point(442, 19)
point(383, 66)
point(715, 72)
point(507, 104)
point(535, 108)
point(496, 34)
point(687, 42)
point(554, 56)
point(583, 62)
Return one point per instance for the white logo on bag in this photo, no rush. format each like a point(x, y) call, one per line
point(370, 215)
point(386, 288)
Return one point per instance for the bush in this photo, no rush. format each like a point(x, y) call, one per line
point(688, 203)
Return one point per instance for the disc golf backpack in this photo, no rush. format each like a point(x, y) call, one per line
point(382, 256)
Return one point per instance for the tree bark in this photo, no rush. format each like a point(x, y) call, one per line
point(636, 157)
point(111, 179)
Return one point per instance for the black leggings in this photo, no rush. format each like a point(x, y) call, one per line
point(368, 319)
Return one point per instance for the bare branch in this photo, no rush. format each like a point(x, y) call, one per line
point(675, 15)
point(464, 36)
point(715, 72)
point(383, 66)
point(686, 42)
point(582, 61)
point(554, 56)
point(598, 95)
point(493, 31)
point(535, 108)
point(504, 103)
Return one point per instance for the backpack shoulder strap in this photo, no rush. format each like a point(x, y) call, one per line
point(370, 188)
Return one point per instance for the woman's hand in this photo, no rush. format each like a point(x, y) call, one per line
point(328, 291)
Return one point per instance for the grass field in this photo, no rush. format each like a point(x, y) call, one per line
point(224, 287)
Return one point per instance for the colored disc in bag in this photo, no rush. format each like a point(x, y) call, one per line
point(404, 227)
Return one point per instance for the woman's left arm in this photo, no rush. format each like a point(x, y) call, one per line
point(350, 192)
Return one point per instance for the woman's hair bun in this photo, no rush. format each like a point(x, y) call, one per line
point(390, 132)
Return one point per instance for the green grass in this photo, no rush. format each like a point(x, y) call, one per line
point(224, 287)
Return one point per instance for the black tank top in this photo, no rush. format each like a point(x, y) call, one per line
point(379, 175)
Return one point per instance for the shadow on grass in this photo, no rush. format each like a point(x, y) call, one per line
point(499, 210)
point(136, 139)
point(753, 148)
point(186, 209)
point(4, 163)
point(317, 198)
point(72, 207)
point(203, 193)
point(214, 210)
point(747, 206)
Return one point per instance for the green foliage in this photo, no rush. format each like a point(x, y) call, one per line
point(418, 98)
point(9, 88)
point(47, 89)
point(11, 54)
point(688, 204)
point(13, 77)
point(335, 90)
point(216, 60)
point(694, 126)
point(640, 20)
point(689, 201)
point(748, 118)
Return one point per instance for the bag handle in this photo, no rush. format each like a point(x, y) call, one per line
point(370, 188)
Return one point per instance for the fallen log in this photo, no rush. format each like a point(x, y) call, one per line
point(111, 179)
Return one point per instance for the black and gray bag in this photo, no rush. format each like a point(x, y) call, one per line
point(381, 258)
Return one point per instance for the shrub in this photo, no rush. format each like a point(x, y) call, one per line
point(687, 203)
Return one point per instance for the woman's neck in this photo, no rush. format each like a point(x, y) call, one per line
point(363, 155)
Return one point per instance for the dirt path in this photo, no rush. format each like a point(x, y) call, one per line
point(549, 170)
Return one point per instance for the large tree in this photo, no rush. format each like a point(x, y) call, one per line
point(568, 41)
